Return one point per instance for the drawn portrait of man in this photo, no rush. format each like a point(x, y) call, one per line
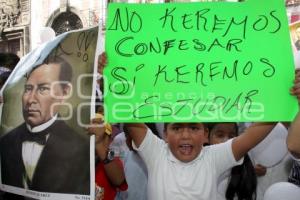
point(44, 153)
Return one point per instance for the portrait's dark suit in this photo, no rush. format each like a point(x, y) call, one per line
point(63, 166)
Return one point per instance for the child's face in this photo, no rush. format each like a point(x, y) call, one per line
point(222, 132)
point(185, 140)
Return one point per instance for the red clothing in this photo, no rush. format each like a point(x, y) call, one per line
point(110, 191)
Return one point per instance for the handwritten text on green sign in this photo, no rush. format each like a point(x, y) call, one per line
point(198, 62)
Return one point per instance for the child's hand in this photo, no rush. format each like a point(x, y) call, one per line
point(102, 137)
point(260, 170)
point(102, 146)
point(295, 90)
point(97, 128)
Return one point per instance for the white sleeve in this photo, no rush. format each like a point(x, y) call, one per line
point(150, 149)
point(223, 157)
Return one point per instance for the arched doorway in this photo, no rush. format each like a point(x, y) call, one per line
point(66, 21)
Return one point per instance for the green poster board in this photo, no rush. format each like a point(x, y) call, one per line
point(191, 62)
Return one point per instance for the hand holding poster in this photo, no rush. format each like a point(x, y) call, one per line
point(45, 152)
point(215, 61)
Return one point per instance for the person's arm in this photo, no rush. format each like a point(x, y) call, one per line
point(113, 170)
point(253, 135)
point(260, 170)
point(293, 139)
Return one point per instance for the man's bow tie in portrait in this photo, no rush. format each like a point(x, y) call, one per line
point(39, 137)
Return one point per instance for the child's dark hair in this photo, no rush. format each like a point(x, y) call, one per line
point(153, 128)
point(242, 181)
point(166, 125)
point(211, 125)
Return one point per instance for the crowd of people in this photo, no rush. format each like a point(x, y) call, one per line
point(183, 161)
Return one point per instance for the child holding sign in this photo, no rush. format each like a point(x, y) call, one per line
point(180, 167)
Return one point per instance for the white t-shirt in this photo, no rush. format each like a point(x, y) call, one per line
point(169, 178)
point(223, 184)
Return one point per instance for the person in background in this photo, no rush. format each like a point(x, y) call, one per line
point(290, 190)
point(135, 172)
point(239, 182)
point(293, 139)
point(3, 77)
point(8, 61)
point(109, 175)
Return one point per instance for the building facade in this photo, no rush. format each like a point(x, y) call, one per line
point(22, 21)
point(14, 26)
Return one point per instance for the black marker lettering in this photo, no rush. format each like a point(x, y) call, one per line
point(233, 43)
point(168, 15)
point(234, 74)
point(215, 43)
point(243, 22)
point(118, 47)
point(199, 68)
point(137, 22)
point(168, 44)
point(248, 68)
point(122, 79)
point(198, 45)
point(271, 69)
point(151, 46)
point(181, 74)
point(185, 21)
point(161, 71)
point(181, 45)
point(218, 22)
point(277, 20)
point(199, 14)
point(263, 20)
point(248, 99)
point(212, 67)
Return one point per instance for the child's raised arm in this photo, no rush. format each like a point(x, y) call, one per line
point(258, 131)
point(137, 132)
point(250, 138)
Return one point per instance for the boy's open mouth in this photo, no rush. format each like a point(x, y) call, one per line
point(185, 149)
